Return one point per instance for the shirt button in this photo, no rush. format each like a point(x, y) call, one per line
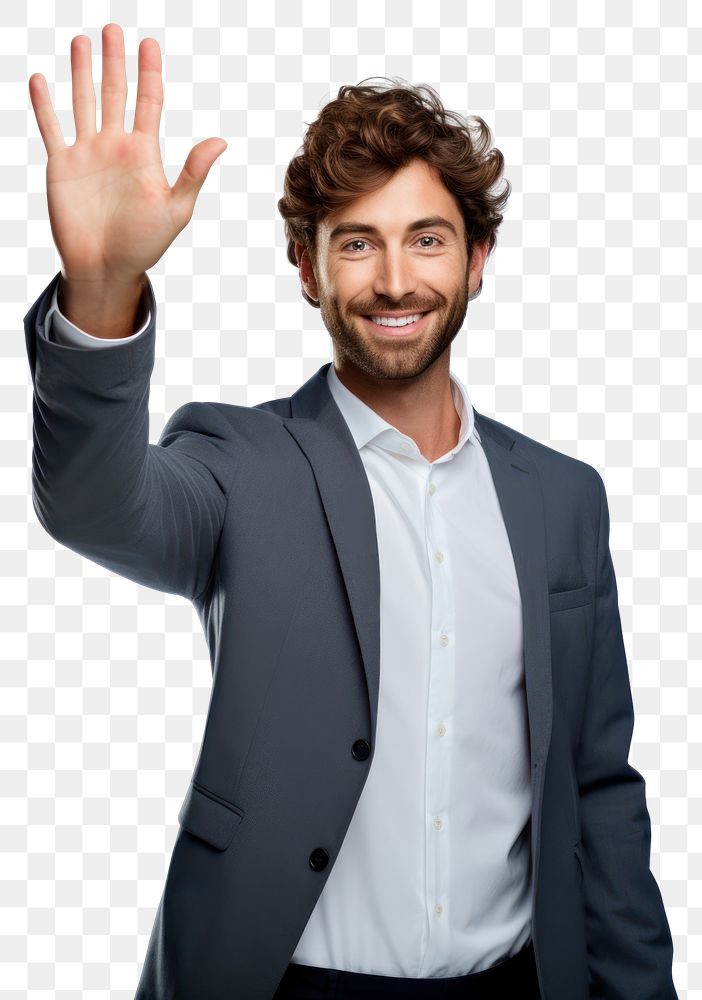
point(441, 730)
point(432, 489)
point(439, 556)
point(444, 640)
point(439, 909)
point(406, 446)
point(437, 823)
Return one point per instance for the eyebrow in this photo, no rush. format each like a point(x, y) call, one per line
point(431, 222)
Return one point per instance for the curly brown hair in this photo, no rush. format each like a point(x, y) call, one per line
point(360, 139)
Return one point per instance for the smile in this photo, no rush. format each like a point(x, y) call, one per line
point(398, 331)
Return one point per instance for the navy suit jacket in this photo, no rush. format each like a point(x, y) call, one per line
point(263, 518)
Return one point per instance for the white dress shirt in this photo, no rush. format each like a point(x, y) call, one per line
point(433, 878)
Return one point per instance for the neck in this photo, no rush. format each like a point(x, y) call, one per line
point(421, 407)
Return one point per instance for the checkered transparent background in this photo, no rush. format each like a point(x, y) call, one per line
point(586, 337)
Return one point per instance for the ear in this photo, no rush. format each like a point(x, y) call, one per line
point(478, 257)
point(307, 276)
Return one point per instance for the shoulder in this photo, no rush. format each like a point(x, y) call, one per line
point(204, 415)
point(566, 479)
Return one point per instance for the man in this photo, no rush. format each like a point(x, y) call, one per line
point(413, 779)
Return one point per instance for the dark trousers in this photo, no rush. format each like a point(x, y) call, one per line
point(514, 978)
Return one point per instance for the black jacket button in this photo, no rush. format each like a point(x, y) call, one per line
point(319, 859)
point(360, 750)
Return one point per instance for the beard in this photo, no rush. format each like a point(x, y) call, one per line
point(384, 357)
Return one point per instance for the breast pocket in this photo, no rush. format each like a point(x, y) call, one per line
point(572, 614)
point(562, 600)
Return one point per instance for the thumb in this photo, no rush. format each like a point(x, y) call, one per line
point(194, 173)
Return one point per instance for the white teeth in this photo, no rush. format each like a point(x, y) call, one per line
point(400, 321)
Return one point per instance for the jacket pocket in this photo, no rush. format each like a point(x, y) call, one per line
point(560, 600)
point(208, 817)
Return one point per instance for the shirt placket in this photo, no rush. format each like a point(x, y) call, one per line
point(439, 714)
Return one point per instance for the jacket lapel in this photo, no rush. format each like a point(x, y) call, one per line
point(323, 435)
point(519, 493)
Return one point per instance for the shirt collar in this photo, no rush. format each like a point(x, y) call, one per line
point(366, 425)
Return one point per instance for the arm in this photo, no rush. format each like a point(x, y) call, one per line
point(629, 943)
point(151, 513)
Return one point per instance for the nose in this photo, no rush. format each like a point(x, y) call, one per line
point(395, 276)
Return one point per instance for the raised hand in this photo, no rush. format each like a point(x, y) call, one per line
point(112, 211)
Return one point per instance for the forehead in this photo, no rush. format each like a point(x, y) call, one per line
point(413, 192)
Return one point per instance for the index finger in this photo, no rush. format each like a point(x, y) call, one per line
point(45, 115)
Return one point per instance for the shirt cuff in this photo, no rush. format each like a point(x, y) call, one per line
point(61, 331)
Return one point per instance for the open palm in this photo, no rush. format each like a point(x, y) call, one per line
point(112, 211)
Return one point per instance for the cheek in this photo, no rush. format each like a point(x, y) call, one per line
point(347, 294)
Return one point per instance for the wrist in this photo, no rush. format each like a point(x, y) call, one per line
point(111, 309)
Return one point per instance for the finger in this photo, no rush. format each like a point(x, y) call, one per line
point(83, 89)
point(149, 99)
point(114, 78)
point(45, 115)
point(194, 173)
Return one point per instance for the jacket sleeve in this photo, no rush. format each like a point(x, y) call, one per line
point(629, 943)
point(152, 513)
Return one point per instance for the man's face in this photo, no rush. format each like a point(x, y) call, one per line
point(398, 268)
